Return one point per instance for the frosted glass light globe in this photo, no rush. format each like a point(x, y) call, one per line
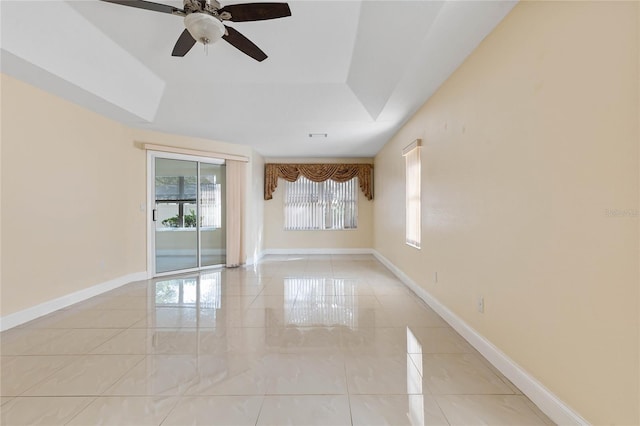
point(204, 28)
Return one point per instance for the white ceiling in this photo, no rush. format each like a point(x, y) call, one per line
point(356, 70)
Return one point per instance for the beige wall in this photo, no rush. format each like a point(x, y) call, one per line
point(73, 183)
point(1, 199)
point(275, 237)
point(1, 202)
point(529, 148)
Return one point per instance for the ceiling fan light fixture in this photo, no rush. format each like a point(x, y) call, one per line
point(204, 28)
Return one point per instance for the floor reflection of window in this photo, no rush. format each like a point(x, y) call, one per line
point(211, 290)
point(178, 292)
point(414, 379)
point(204, 292)
point(321, 301)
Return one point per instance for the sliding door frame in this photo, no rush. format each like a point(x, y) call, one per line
point(151, 205)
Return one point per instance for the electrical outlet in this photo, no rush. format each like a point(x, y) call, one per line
point(481, 304)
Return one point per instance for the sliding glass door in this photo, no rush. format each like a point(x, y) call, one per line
point(188, 215)
point(213, 238)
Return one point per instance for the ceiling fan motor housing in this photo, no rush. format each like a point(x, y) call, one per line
point(207, 6)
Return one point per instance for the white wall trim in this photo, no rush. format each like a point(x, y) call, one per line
point(151, 204)
point(29, 314)
point(303, 251)
point(546, 400)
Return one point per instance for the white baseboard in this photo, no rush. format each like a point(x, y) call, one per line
point(29, 314)
point(548, 402)
point(304, 251)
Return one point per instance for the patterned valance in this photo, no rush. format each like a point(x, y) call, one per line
point(318, 173)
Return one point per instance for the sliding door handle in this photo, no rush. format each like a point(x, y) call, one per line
point(154, 214)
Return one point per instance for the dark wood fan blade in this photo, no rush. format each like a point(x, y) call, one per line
point(184, 44)
point(256, 11)
point(244, 45)
point(142, 4)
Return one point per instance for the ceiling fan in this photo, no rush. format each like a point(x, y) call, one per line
point(203, 21)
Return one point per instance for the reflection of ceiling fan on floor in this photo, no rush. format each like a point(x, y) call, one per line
point(203, 22)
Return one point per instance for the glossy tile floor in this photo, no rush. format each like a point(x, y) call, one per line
point(295, 340)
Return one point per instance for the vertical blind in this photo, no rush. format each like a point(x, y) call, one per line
point(412, 161)
point(321, 205)
point(211, 205)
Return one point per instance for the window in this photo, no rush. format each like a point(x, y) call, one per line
point(412, 203)
point(177, 206)
point(211, 205)
point(320, 205)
